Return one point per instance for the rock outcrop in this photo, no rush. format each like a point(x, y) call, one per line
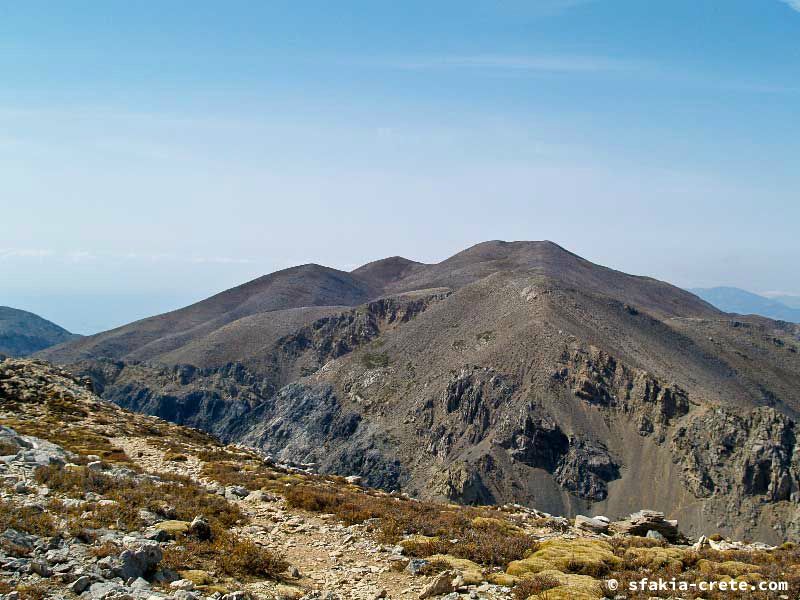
point(105, 504)
point(513, 372)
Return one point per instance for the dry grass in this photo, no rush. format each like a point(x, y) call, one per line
point(26, 518)
point(7, 448)
point(531, 586)
point(172, 456)
point(33, 591)
point(233, 556)
point(457, 531)
point(215, 454)
point(184, 497)
point(231, 472)
point(105, 549)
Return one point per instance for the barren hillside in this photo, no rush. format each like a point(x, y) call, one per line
point(510, 372)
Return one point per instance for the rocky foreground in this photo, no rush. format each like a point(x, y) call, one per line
point(100, 503)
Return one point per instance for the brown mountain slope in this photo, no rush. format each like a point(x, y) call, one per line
point(552, 260)
point(518, 389)
point(515, 372)
point(149, 339)
point(195, 334)
point(387, 271)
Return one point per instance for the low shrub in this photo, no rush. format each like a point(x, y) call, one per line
point(7, 448)
point(238, 473)
point(480, 535)
point(531, 586)
point(175, 457)
point(26, 518)
point(185, 498)
point(375, 360)
point(234, 556)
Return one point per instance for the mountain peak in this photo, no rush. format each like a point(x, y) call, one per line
point(385, 271)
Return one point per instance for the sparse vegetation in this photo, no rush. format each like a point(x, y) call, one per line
point(492, 541)
point(175, 457)
point(36, 591)
point(185, 498)
point(240, 473)
point(480, 543)
point(532, 586)
point(375, 360)
point(26, 518)
point(7, 448)
point(234, 556)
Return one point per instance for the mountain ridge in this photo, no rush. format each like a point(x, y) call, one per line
point(509, 372)
point(316, 285)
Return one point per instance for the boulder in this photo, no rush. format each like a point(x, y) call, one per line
point(173, 527)
point(592, 525)
point(415, 565)
point(139, 584)
point(103, 589)
point(639, 523)
point(19, 539)
point(80, 584)
point(41, 568)
point(139, 560)
point(441, 584)
point(200, 528)
point(182, 584)
point(234, 492)
point(469, 572)
point(261, 496)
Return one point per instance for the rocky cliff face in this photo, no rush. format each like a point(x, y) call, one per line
point(104, 504)
point(218, 399)
point(535, 378)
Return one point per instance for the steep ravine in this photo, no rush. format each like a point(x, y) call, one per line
point(217, 399)
point(588, 433)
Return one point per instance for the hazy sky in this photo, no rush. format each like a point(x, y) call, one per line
point(153, 153)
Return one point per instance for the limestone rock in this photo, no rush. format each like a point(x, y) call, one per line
point(639, 523)
point(593, 525)
point(200, 528)
point(441, 584)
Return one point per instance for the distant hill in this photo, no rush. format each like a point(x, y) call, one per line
point(788, 300)
point(23, 333)
point(735, 300)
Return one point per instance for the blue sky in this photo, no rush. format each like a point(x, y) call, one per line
point(153, 153)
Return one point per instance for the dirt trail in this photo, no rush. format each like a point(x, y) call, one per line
point(329, 556)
